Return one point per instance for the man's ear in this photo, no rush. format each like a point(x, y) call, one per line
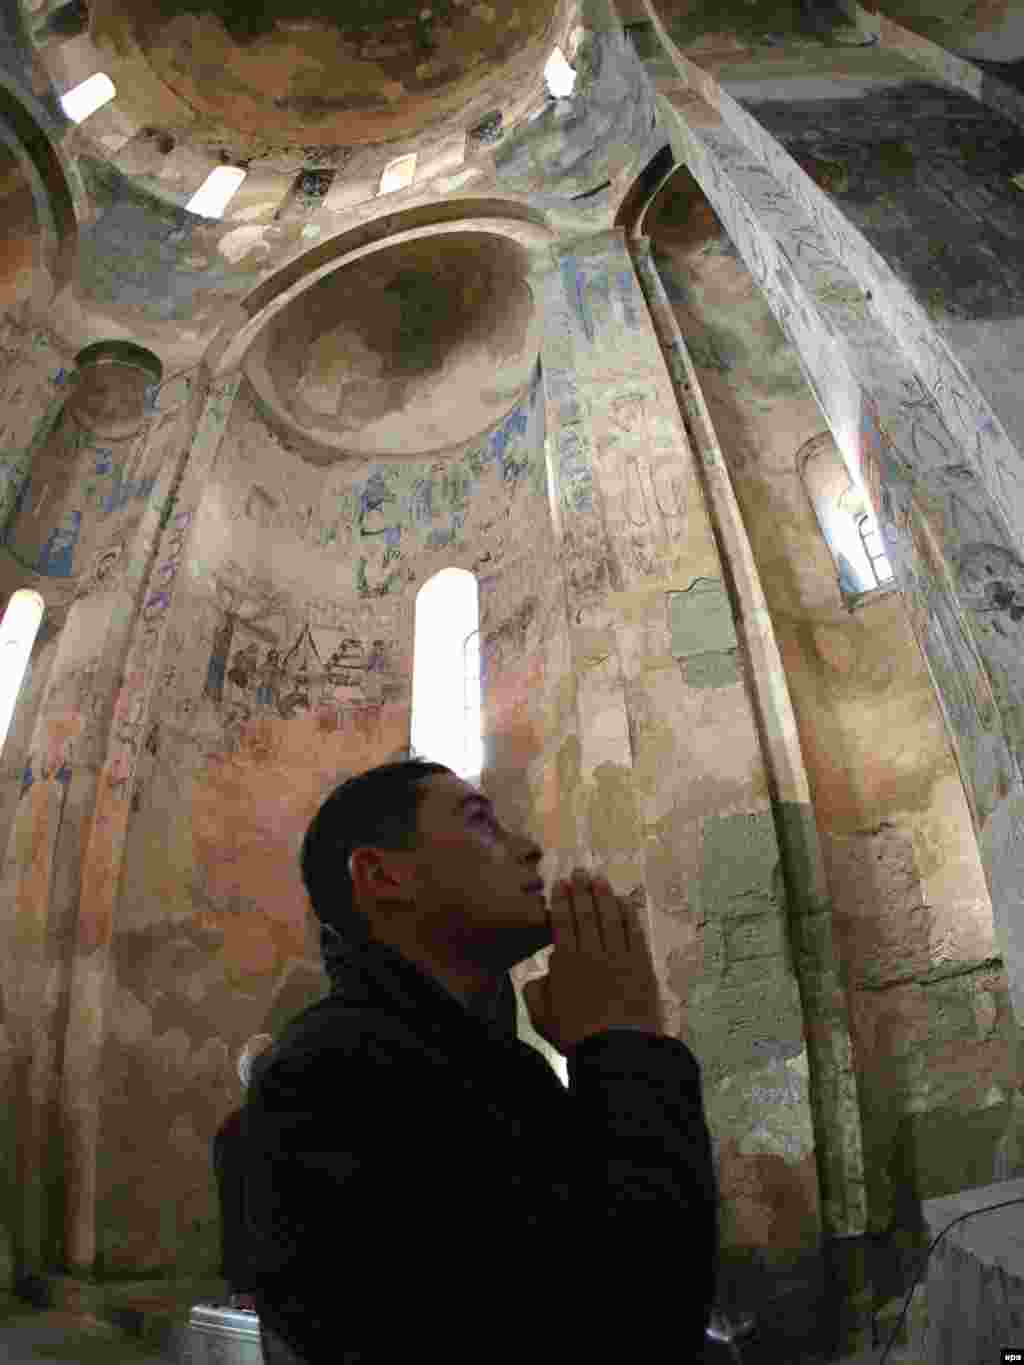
point(380, 874)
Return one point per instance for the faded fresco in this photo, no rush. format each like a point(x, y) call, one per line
point(33, 387)
point(286, 665)
point(930, 1014)
point(674, 690)
point(919, 428)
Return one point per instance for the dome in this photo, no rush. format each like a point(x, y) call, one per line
point(326, 72)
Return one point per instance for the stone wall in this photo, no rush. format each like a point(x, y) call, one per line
point(78, 433)
point(934, 1041)
point(34, 371)
point(926, 174)
point(669, 786)
point(287, 666)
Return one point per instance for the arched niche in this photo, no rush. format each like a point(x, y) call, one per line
point(87, 465)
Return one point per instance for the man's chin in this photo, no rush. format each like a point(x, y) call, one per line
point(528, 942)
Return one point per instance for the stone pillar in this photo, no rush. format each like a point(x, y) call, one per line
point(826, 1017)
point(671, 787)
point(104, 849)
point(90, 593)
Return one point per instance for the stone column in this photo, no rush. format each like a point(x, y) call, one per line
point(671, 787)
point(104, 850)
point(90, 595)
point(834, 1095)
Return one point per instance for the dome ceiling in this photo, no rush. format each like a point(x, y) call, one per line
point(327, 72)
point(415, 349)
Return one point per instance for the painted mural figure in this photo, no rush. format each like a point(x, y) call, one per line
point(238, 715)
point(244, 666)
point(217, 666)
point(270, 677)
point(336, 668)
point(106, 562)
point(375, 495)
point(298, 699)
point(366, 589)
point(377, 662)
point(56, 558)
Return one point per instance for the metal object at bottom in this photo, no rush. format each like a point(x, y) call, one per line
point(222, 1336)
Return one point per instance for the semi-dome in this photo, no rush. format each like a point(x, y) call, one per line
point(417, 348)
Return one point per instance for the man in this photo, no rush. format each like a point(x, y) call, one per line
point(421, 1182)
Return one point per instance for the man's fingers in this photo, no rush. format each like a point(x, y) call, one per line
point(585, 913)
point(588, 931)
point(563, 931)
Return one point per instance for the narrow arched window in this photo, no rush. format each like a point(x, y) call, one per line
point(216, 192)
point(398, 174)
point(86, 98)
point(559, 75)
point(18, 631)
point(846, 519)
point(446, 673)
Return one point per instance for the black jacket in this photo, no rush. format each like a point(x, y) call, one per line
point(228, 1167)
point(419, 1180)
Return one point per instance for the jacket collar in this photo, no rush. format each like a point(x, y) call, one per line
point(375, 972)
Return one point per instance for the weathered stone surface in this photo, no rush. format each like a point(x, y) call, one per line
point(676, 685)
point(909, 903)
point(975, 1284)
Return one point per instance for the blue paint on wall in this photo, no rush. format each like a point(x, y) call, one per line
point(574, 469)
point(574, 284)
point(514, 425)
point(124, 490)
point(374, 495)
point(421, 504)
point(56, 558)
point(625, 280)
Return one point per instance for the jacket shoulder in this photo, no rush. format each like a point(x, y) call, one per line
point(331, 1031)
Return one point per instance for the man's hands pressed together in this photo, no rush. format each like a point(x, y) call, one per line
point(601, 972)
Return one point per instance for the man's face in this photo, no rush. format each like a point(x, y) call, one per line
point(478, 890)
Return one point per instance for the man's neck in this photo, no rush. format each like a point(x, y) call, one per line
point(473, 987)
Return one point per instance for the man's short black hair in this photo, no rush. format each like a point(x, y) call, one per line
point(376, 807)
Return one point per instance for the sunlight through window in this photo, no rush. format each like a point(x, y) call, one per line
point(398, 174)
point(446, 723)
point(18, 631)
point(560, 76)
point(845, 517)
point(86, 98)
point(215, 193)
